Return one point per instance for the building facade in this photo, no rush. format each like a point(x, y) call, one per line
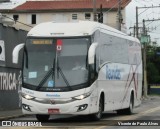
point(35, 12)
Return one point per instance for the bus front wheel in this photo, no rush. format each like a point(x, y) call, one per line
point(42, 118)
point(97, 116)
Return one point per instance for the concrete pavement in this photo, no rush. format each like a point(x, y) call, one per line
point(8, 114)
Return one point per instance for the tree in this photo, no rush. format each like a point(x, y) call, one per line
point(153, 64)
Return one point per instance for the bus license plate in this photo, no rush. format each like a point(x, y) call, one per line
point(53, 111)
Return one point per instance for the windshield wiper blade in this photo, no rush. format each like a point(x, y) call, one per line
point(48, 74)
point(45, 78)
point(26, 62)
point(63, 76)
point(59, 70)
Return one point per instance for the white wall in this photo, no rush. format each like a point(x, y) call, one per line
point(109, 18)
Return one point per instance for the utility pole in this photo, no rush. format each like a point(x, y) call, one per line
point(137, 28)
point(120, 19)
point(144, 57)
point(144, 62)
point(94, 10)
point(144, 37)
point(134, 30)
point(100, 15)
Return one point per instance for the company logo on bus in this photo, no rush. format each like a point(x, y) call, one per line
point(113, 73)
point(53, 95)
point(52, 101)
point(28, 92)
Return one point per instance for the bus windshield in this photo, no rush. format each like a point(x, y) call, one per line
point(55, 63)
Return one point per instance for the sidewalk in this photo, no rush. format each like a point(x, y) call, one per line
point(4, 115)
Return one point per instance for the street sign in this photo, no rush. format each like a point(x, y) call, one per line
point(145, 39)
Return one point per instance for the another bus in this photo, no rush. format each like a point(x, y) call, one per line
point(80, 68)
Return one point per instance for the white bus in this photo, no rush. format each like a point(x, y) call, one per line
point(80, 68)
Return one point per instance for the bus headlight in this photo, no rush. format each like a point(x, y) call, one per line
point(83, 96)
point(28, 97)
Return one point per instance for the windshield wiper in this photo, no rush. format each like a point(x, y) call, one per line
point(48, 74)
point(59, 70)
point(26, 57)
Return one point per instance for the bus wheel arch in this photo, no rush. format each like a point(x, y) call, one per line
point(132, 97)
point(101, 105)
point(103, 100)
point(129, 110)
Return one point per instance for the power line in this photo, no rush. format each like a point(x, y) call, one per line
point(149, 1)
point(149, 23)
point(152, 20)
point(118, 3)
point(148, 20)
point(139, 2)
point(145, 7)
point(154, 32)
point(17, 21)
point(155, 28)
point(143, 12)
point(106, 11)
point(149, 7)
point(115, 6)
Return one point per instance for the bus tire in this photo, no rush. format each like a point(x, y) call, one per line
point(97, 116)
point(42, 118)
point(129, 110)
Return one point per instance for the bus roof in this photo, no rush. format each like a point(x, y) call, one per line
point(71, 29)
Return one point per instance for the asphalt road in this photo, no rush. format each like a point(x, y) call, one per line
point(147, 113)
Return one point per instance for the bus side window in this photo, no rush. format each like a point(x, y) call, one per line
point(103, 54)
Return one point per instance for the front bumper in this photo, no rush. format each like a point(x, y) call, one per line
point(65, 108)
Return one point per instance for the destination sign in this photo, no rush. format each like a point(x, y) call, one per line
point(40, 42)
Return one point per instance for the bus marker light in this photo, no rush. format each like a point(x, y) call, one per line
point(59, 44)
point(82, 107)
point(26, 107)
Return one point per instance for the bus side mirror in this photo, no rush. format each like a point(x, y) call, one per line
point(91, 53)
point(15, 53)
